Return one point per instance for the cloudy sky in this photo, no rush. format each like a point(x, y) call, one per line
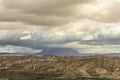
point(89, 26)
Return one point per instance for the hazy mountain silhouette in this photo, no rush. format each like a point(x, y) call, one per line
point(60, 52)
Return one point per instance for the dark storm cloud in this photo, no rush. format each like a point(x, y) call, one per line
point(102, 42)
point(37, 40)
point(40, 39)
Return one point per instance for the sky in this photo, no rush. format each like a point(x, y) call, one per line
point(88, 26)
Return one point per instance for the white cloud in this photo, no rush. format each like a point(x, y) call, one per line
point(6, 49)
point(17, 49)
point(26, 35)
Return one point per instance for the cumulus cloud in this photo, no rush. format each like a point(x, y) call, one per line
point(46, 13)
point(79, 24)
point(84, 40)
point(55, 12)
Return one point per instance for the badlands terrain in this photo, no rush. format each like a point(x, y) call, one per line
point(59, 67)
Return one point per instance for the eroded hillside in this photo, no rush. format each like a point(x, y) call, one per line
point(108, 67)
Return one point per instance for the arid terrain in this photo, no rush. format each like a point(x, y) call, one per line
point(59, 68)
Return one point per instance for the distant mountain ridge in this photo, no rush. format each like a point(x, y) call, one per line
point(60, 52)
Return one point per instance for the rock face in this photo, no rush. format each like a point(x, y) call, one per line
point(108, 67)
point(60, 52)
